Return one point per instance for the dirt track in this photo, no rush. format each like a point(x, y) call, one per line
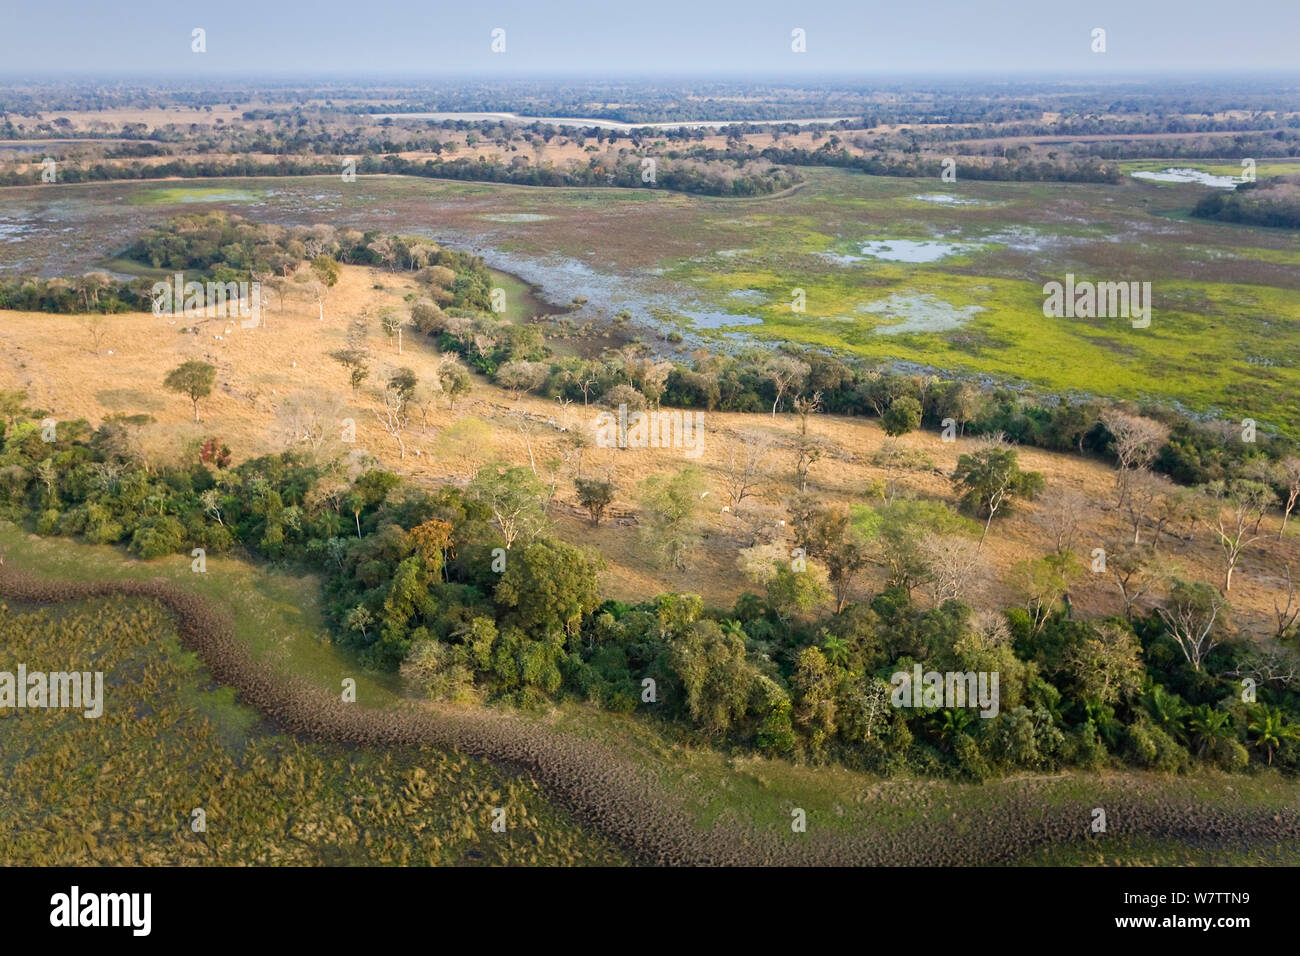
point(605, 789)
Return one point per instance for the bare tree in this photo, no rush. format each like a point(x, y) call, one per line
point(1146, 490)
point(392, 323)
point(1269, 666)
point(1137, 570)
point(1291, 471)
point(317, 290)
point(809, 449)
point(1060, 512)
point(806, 406)
point(991, 628)
point(746, 466)
point(786, 373)
point(565, 404)
point(393, 412)
point(1244, 500)
point(527, 428)
point(1190, 615)
point(1137, 441)
point(762, 523)
point(1286, 616)
point(954, 564)
point(96, 323)
point(308, 417)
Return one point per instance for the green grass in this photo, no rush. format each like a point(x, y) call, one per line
point(165, 195)
point(1223, 338)
point(1268, 167)
point(277, 613)
point(121, 789)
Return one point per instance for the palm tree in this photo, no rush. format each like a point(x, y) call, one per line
point(836, 651)
point(1166, 709)
point(1102, 716)
point(733, 628)
point(1208, 725)
point(1270, 729)
point(954, 722)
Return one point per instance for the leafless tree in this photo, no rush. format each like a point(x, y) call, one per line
point(1137, 441)
point(1060, 512)
point(527, 428)
point(786, 374)
point(96, 323)
point(1286, 616)
point(746, 466)
point(954, 564)
point(393, 412)
point(1269, 666)
point(1146, 490)
point(1237, 505)
point(392, 323)
point(991, 628)
point(1190, 616)
point(317, 290)
point(1137, 570)
point(1291, 471)
point(761, 523)
point(806, 406)
point(308, 417)
point(809, 449)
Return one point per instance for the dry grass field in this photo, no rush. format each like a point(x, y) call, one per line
point(259, 369)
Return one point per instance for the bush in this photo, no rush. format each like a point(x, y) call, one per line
point(48, 522)
point(156, 537)
point(1150, 747)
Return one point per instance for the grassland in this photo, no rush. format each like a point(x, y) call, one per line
point(121, 789)
point(1231, 291)
point(51, 358)
point(1279, 167)
point(1226, 300)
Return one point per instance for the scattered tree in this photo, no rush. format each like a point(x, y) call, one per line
point(194, 380)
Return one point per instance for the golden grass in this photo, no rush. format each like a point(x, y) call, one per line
point(51, 357)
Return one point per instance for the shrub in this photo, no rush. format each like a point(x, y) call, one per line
point(156, 537)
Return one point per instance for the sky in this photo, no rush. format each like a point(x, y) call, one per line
point(608, 38)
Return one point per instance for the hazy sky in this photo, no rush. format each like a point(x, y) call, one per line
point(650, 36)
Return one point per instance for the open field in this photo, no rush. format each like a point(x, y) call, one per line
point(51, 357)
point(1225, 300)
point(945, 276)
point(122, 789)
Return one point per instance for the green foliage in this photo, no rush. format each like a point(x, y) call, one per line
point(713, 669)
point(158, 536)
point(549, 587)
point(672, 500)
point(193, 379)
point(594, 495)
point(902, 416)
